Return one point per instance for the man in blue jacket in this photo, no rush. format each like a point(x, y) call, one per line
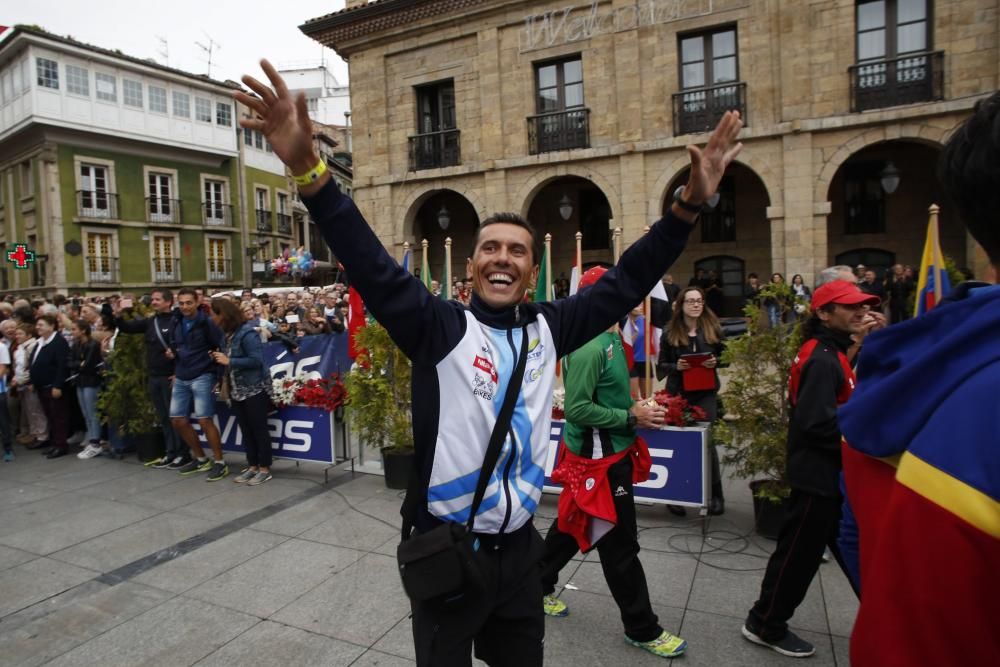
point(194, 336)
point(463, 358)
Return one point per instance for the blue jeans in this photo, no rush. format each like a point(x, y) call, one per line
point(199, 391)
point(773, 314)
point(87, 398)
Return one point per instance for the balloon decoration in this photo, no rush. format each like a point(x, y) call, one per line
point(299, 264)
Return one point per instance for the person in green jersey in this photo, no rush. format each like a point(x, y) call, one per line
point(600, 458)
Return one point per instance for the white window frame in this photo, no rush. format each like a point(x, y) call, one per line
point(208, 219)
point(90, 197)
point(157, 99)
point(221, 107)
point(47, 72)
point(104, 276)
point(104, 77)
point(129, 93)
point(177, 95)
point(226, 257)
point(160, 272)
point(203, 114)
point(156, 210)
point(77, 80)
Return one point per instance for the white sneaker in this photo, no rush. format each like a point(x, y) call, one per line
point(89, 452)
point(76, 438)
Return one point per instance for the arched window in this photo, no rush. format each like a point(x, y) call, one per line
point(729, 272)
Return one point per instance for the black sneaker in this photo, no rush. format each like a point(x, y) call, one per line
point(218, 470)
point(179, 462)
point(791, 644)
point(195, 466)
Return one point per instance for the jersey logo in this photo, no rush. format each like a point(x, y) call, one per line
point(484, 364)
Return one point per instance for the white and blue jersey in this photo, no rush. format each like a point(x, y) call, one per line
point(463, 358)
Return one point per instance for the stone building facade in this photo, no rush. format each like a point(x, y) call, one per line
point(576, 114)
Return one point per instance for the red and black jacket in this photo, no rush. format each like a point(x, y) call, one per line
point(821, 379)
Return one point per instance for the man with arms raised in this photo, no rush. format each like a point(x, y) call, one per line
point(463, 358)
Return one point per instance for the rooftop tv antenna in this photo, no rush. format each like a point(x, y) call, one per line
point(209, 50)
point(164, 51)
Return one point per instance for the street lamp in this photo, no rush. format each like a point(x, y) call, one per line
point(565, 207)
point(889, 177)
point(444, 219)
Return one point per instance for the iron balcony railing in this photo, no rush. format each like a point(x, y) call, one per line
point(699, 109)
point(163, 210)
point(217, 214)
point(435, 149)
point(96, 204)
point(284, 223)
point(166, 270)
point(263, 220)
point(907, 79)
point(559, 131)
point(102, 270)
point(220, 270)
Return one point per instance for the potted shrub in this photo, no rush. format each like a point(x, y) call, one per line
point(755, 428)
point(124, 401)
point(379, 402)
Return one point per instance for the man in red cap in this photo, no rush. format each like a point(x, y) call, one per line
point(600, 460)
point(821, 379)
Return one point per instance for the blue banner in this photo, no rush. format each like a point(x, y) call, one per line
point(679, 472)
point(297, 433)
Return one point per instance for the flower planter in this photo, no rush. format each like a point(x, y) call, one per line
point(768, 515)
point(398, 466)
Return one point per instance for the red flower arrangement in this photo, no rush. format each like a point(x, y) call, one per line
point(325, 393)
point(679, 411)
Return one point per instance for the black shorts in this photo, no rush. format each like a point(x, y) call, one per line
point(638, 370)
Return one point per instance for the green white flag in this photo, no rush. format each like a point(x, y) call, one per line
point(543, 286)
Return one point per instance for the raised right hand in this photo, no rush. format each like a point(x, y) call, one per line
point(284, 120)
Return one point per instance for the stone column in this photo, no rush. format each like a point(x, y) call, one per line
point(793, 243)
point(633, 206)
point(776, 222)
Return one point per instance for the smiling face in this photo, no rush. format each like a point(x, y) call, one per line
point(693, 303)
point(502, 266)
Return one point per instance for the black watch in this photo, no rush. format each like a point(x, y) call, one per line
point(631, 421)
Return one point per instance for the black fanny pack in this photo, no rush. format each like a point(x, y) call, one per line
point(442, 564)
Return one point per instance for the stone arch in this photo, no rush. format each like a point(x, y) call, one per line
point(915, 132)
point(767, 177)
point(407, 210)
point(544, 176)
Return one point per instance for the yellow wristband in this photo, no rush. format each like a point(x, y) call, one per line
point(312, 175)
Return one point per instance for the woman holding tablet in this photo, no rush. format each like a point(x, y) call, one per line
point(689, 355)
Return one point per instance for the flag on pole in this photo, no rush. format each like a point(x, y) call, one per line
point(406, 260)
point(425, 273)
point(446, 282)
point(574, 275)
point(543, 286)
point(648, 327)
point(355, 320)
point(933, 283)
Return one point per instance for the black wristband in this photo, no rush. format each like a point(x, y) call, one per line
point(631, 421)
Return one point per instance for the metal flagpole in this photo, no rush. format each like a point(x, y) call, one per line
point(446, 287)
point(936, 259)
point(579, 254)
point(647, 311)
point(547, 287)
point(617, 237)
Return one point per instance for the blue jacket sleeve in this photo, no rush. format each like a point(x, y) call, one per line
point(847, 542)
point(424, 327)
point(253, 352)
point(581, 317)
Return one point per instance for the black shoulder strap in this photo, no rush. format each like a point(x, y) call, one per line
point(500, 428)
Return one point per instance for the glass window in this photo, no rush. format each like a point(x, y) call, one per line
point(203, 110)
point(258, 139)
point(890, 28)
point(871, 15)
point(106, 86)
point(248, 136)
point(77, 80)
point(25, 75)
point(182, 104)
point(16, 74)
point(223, 114)
point(48, 73)
point(132, 93)
point(8, 91)
point(559, 85)
point(158, 99)
point(709, 58)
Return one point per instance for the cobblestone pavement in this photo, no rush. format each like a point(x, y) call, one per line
point(104, 562)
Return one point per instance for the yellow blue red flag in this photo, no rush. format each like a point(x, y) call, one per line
point(932, 283)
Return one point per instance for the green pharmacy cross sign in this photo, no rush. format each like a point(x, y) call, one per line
point(20, 256)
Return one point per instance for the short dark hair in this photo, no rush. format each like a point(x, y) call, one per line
point(164, 293)
point(83, 325)
point(50, 319)
point(188, 291)
point(230, 315)
point(969, 169)
point(511, 219)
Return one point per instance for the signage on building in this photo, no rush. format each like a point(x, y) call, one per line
point(579, 22)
